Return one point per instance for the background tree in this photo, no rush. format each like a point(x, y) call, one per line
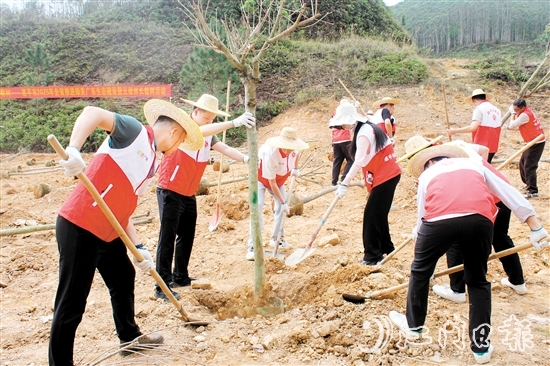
point(245, 46)
point(39, 60)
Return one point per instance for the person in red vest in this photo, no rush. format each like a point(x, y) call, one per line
point(486, 122)
point(121, 169)
point(179, 179)
point(341, 126)
point(456, 207)
point(383, 115)
point(277, 160)
point(529, 127)
point(374, 155)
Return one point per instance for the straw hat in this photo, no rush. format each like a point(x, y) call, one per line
point(416, 164)
point(208, 103)
point(416, 144)
point(346, 114)
point(488, 96)
point(385, 100)
point(287, 140)
point(155, 108)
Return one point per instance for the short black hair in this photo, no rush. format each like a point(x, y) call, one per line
point(520, 103)
point(480, 97)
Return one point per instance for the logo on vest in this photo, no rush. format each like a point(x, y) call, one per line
point(142, 155)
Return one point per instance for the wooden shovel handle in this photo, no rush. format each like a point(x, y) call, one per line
point(396, 250)
point(531, 143)
point(116, 225)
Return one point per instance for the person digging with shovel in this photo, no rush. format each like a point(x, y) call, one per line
point(456, 207)
point(121, 169)
point(179, 179)
point(277, 160)
point(374, 155)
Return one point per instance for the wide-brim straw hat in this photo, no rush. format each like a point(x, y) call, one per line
point(155, 108)
point(208, 103)
point(416, 164)
point(488, 96)
point(346, 114)
point(287, 139)
point(417, 143)
point(385, 100)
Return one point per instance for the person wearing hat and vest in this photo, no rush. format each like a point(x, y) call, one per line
point(121, 170)
point(383, 115)
point(456, 207)
point(486, 122)
point(529, 127)
point(374, 155)
point(341, 125)
point(277, 160)
point(456, 290)
point(179, 179)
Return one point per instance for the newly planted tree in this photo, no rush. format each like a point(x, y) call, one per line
point(244, 43)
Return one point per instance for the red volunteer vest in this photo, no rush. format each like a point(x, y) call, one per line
point(119, 175)
point(488, 132)
point(181, 172)
point(280, 179)
point(532, 129)
point(381, 168)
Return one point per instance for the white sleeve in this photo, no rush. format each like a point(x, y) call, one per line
point(363, 144)
point(520, 120)
point(509, 196)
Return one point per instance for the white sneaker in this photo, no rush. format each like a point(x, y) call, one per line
point(447, 293)
point(400, 320)
point(282, 243)
point(250, 254)
point(484, 357)
point(519, 289)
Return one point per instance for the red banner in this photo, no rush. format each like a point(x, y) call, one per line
point(87, 91)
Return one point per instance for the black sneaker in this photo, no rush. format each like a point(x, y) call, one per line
point(186, 282)
point(140, 344)
point(161, 295)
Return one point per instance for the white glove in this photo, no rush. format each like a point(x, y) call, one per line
point(74, 165)
point(285, 208)
point(246, 159)
point(539, 238)
point(414, 234)
point(247, 119)
point(357, 104)
point(147, 263)
point(341, 190)
point(295, 172)
point(511, 110)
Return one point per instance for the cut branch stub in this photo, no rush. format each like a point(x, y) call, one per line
point(216, 167)
point(40, 190)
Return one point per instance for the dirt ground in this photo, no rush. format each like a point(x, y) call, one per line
point(317, 327)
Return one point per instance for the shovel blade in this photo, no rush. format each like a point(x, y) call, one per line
point(356, 299)
point(215, 219)
point(299, 255)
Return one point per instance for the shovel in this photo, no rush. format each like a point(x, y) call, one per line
point(401, 246)
point(217, 216)
point(118, 228)
point(274, 254)
point(358, 299)
point(302, 253)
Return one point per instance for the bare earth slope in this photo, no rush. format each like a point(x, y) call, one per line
point(317, 326)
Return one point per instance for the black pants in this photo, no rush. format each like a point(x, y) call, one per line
point(490, 157)
point(528, 164)
point(473, 235)
point(501, 241)
point(178, 218)
point(80, 253)
point(376, 229)
point(341, 151)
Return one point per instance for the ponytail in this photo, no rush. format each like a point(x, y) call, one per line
point(380, 137)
